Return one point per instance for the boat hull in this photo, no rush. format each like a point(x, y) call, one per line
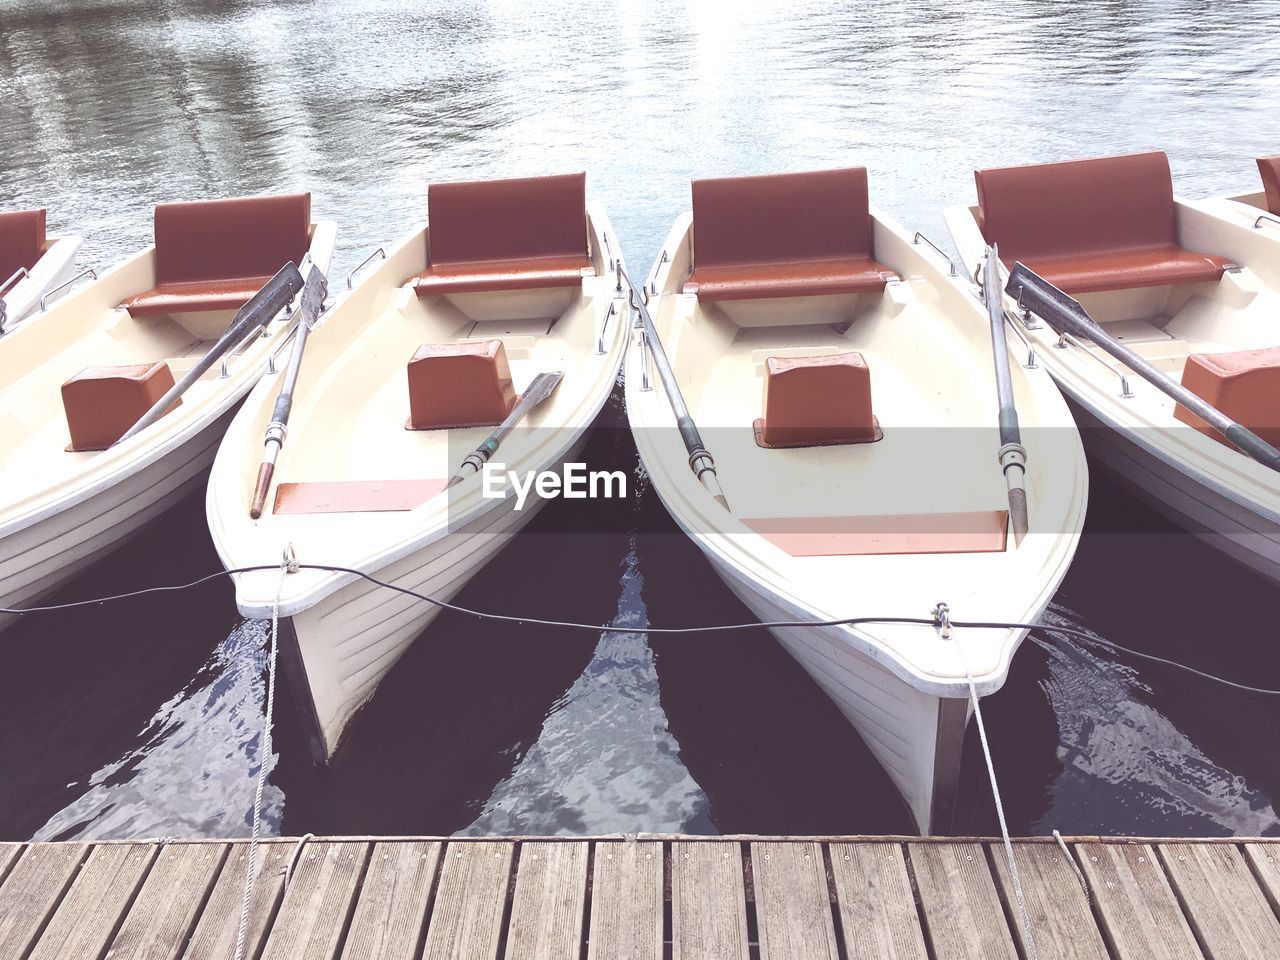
point(916, 737)
point(346, 643)
point(1230, 525)
point(38, 557)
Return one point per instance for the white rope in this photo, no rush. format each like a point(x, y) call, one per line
point(1028, 938)
point(264, 752)
point(1084, 885)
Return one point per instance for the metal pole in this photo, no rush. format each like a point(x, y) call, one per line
point(266, 303)
point(543, 385)
point(308, 311)
point(1064, 314)
point(700, 459)
point(1013, 455)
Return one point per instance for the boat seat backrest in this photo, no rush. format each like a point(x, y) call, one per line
point(459, 385)
point(1269, 167)
point(783, 235)
point(781, 218)
point(1089, 226)
point(816, 401)
point(528, 218)
point(1077, 207)
point(22, 241)
point(230, 239)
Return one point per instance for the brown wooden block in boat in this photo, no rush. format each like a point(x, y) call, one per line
point(103, 402)
point(355, 496)
point(816, 401)
point(978, 531)
point(459, 385)
point(1245, 385)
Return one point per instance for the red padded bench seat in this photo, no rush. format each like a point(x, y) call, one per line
point(783, 235)
point(1243, 384)
point(1091, 225)
point(216, 254)
point(22, 241)
point(492, 235)
point(1269, 167)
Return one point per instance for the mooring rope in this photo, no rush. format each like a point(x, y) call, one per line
point(287, 566)
point(1024, 918)
point(1084, 885)
point(1069, 632)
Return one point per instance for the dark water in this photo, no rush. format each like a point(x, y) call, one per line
point(140, 719)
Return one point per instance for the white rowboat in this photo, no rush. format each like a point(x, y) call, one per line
point(354, 488)
point(34, 267)
point(62, 509)
point(1200, 304)
point(889, 527)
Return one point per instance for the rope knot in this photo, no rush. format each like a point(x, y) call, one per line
point(942, 620)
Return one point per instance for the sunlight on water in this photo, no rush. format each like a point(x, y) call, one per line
point(605, 759)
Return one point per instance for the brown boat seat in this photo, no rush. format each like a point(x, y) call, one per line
point(783, 235)
point(101, 403)
point(492, 235)
point(22, 241)
point(1244, 384)
point(216, 254)
point(816, 401)
point(459, 385)
point(1091, 225)
point(1269, 167)
point(978, 531)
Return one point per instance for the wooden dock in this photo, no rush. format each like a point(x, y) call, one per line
point(642, 898)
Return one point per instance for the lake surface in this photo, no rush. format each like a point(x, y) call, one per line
point(141, 719)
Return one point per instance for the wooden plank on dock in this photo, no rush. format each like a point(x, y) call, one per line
point(466, 923)
point(169, 904)
point(708, 901)
point(1228, 911)
point(793, 902)
point(1139, 914)
point(962, 909)
point(94, 905)
point(215, 934)
point(317, 902)
point(550, 899)
point(1062, 923)
point(391, 913)
point(9, 853)
point(626, 902)
point(33, 890)
point(877, 907)
point(1265, 860)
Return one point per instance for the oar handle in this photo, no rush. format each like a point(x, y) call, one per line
point(265, 472)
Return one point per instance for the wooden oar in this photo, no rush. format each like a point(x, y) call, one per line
point(700, 459)
point(1065, 315)
point(543, 385)
point(309, 310)
point(275, 295)
point(1013, 456)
